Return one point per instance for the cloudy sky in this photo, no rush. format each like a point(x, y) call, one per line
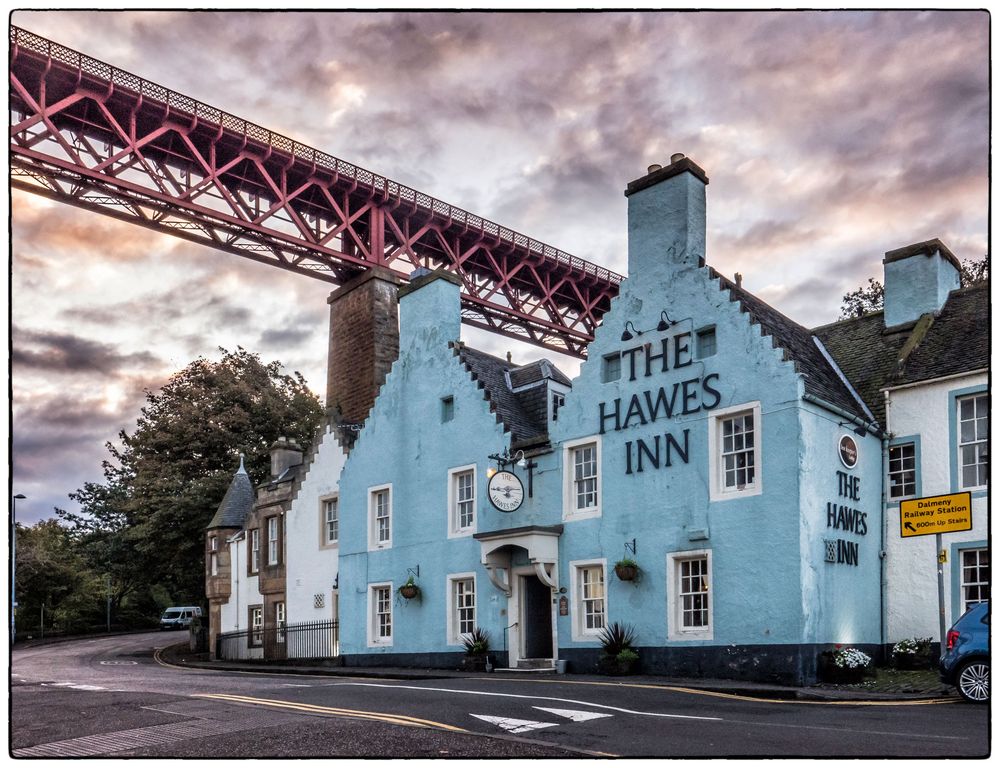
point(829, 138)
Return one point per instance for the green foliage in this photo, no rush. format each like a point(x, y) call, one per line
point(144, 525)
point(477, 641)
point(976, 271)
point(869, 298)
point(626, 657)
point(616, 637)
point(627, 562)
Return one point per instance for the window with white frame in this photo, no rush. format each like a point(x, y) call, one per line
point(590, 608)
point(582, 466)
point(256, 635)
point(279, 620)
point(973, 440)
point(213, 557)
point(902, 471)
point(331, 521)
point(690, 595)
point(380, 517)
point(735, 449)
point(461, 606)
point(254, 559)
point(380, 614)
point(975, 577)
point(272, 541)
point(462, 500)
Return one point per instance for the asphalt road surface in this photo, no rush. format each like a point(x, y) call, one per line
point(113, 696)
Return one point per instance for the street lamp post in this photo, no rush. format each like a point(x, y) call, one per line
point(13, 566)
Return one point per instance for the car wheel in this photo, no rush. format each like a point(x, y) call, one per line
point(973, 681)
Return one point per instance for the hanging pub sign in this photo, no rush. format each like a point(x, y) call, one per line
point(848, 449)
point(505, 491)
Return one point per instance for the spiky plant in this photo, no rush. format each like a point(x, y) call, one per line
point(616, 637)
point(477, 641)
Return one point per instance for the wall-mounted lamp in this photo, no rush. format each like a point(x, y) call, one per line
point(665, 321)
point(626, 336)
point(507, 458)
point(859, 431)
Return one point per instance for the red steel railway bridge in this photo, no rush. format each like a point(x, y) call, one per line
point(86, 133)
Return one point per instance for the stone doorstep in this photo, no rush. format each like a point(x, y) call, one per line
point(527, 670)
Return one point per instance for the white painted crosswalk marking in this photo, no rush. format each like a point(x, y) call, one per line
point(75, 686)
point(512, 725)
point(576, 715)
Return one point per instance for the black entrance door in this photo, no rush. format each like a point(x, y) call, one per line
point(537, 618)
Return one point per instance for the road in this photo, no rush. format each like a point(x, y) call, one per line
point(113, 696)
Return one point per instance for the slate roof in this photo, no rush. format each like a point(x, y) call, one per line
point(866, 354)
point(524, 414)
point(821, 379)
point(236, 504)
point(535, 373)
point(958, 340)
point(955, 341)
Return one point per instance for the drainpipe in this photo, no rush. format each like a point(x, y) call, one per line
point(882, 554)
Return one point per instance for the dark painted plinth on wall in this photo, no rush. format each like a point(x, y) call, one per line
point(778, 664)
point(417, 660)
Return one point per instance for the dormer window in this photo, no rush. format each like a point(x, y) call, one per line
point(558, 401)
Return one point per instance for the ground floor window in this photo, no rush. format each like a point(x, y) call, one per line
point(975, 577)
point(256, 636)
point(380, 613)
point(279, 620)
point(590, 608)
point(690, 595)
point(461, 606)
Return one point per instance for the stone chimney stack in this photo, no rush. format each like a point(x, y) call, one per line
point(364, 343)
point(285, 453)
point(918, 279)
point(430, 310)
point(666, 219)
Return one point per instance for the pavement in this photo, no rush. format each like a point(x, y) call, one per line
point(179, 655)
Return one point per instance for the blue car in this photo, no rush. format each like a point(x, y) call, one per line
point(966, 661)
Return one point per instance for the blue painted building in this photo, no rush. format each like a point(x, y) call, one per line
point(707, 437)
point(753, 469)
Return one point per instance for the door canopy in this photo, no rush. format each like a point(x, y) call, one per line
point(541, 543)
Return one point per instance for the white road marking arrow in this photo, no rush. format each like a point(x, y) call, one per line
point(576, 715)
point(512, 725)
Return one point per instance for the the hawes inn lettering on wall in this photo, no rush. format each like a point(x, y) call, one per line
point(680, 398)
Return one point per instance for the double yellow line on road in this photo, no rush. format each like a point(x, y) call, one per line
point(315, 709)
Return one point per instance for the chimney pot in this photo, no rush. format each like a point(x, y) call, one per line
point(653, 168)
point(739, 280)
point(676, 157)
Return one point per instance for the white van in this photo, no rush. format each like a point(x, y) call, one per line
point(179, 617)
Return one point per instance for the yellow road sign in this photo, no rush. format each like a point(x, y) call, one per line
point(935, 514)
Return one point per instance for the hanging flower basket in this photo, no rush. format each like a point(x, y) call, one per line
point(409, 590)
point(627, 570)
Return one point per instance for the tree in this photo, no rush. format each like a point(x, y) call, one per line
point(868, 298)
point(871, 297)
point(51, 573)
point(145, 524)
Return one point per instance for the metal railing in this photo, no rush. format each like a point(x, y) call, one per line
point(309, 640)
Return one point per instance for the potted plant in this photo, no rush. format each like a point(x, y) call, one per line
point(843, 665)
point(618, 657)
point(409, 590)
point(627, 569)
point(912, 653)
point(477, 647)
